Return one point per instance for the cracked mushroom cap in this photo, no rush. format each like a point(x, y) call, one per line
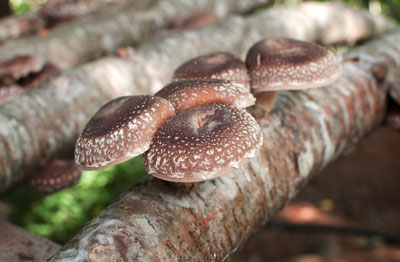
point(203, 143)
point(287, 64)
point(218, 65)
point(56, 176)
point(123, 128)
point(187, 94)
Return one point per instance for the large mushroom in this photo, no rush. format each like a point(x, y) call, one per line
point(286, 64)
point(203, 143)
point(218, 65)
point(122, 129)
point(187, 94)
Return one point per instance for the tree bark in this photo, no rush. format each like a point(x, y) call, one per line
point(91, 36)
point(13, 27)
point(159, 221)
point(44, 124)
point(18, 245)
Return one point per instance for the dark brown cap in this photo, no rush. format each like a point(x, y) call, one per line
point(219, 65)
point(56, 176)
point(203, 143)
point(287, 64)
point(187, 94)
point(123, 128)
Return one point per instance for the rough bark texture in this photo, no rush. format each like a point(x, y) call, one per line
point(13, 27)
point(43, 124)
point(158, 221)
point(91, 36)
point(65, 9)
point(17, 245)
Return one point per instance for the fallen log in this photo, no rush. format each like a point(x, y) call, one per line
point(17, 245)
point(160, 221)
point(53, 11)
point(93, 35)
point(44, 123)
point(13, 27)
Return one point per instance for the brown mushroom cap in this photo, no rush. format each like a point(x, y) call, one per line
point(219, 65)
point(184, 95)
point(284, 64)
point(123, 128)
point(20, 66)
point(203, 143)
point(56, 176)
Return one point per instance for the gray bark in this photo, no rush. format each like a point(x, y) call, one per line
point(91, 36)
point(18, 245)
point(13, 27)
point(159, 221)
point(44, 124)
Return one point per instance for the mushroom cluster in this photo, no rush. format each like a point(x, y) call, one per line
point(197, 128)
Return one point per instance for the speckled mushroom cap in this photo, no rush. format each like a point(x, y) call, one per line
point(219, 65)
point(184, 95)
point(123, 128)
point(203, 143)
point(56, 176)
point(287, 64)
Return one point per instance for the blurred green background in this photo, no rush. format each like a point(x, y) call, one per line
point(60, 215)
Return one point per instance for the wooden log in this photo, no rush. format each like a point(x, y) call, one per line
point(18, 245)
point(93, 35)
point(44, 123)
point(13, 27)
point(160, 221)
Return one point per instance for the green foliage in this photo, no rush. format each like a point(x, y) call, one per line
point(60, 215)
point(20, 6)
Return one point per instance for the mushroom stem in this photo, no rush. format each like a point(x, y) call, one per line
point(264, 104)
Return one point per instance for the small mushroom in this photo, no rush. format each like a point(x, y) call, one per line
point(56, 176)
point(187, 94)
point(20, 66)
point(123, 128)
point(287, 64)
point(219, 65)
point(202, 143)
